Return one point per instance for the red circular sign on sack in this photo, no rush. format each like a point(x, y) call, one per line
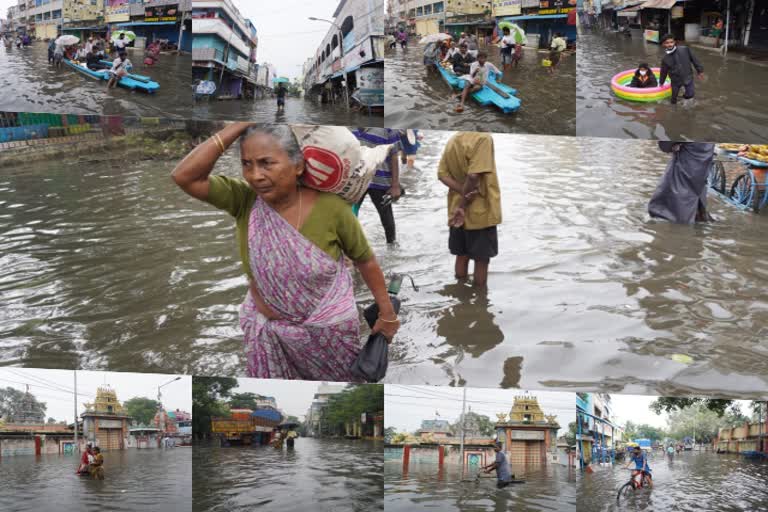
point(323, 168)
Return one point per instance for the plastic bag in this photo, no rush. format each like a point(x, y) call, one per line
point(372, 362)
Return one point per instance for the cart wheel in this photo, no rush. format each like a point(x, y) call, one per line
point(716, 178)
point(744, 191)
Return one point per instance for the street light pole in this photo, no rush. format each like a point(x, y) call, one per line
point(160, 402)
point(341, 58)
point(77, 446)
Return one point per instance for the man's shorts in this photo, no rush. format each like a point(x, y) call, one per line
point(477, 244)
point(506, 58)
point(280, 102)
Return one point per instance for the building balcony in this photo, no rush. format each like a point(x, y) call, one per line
point(207, 54)
point(215, 26)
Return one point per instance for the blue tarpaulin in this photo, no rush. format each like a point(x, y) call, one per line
point(145, 23)
point(535, 17)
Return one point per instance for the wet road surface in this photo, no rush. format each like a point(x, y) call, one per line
point(727, 106)
point(297, 110)
point(551, 488)
point(157, 480)
point(35, 86)
point(318, 474)
point(691, 482)
point(416, 98)
point(99, 263)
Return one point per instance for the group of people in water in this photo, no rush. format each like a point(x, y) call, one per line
point(92, 463)
point(285, 436)
point(93, 54)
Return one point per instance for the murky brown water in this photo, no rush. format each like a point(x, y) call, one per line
point(297, 110)
point(33, 85)
point(418, 99)
point(727, 107)
point(551, 488)
point(692, 482)
point(318, 474)
point(157, 480)
point(100, 263)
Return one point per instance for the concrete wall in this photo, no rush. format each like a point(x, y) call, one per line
point(13, 447)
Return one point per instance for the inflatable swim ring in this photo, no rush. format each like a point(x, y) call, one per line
point(620, 87)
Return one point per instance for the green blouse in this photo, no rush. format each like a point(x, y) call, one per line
point(331, 225)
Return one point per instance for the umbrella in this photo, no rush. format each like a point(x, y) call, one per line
point(130, 36)
point(67, 40)
point(280, 80)
point(434, 38)
point(288, 425)
point(516, 32)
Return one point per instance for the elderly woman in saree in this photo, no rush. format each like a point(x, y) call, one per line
point(681, 196)
point(299, 317)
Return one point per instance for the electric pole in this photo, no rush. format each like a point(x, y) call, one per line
point(461, 448)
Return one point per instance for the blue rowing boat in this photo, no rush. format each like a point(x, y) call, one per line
point(485, 96)
point(131, 81)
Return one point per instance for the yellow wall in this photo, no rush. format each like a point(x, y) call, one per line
point(46, 31)
point(426, 27)
point(467, 6)
point(78, 10)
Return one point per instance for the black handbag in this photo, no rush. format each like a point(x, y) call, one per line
point(372, 362)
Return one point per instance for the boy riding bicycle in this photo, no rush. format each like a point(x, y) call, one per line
point(641, 466)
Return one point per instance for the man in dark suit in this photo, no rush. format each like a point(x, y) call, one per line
point(676, 64)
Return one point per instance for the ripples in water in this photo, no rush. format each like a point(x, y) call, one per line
point(726, 107)
point(318, 474)
point(157, 480)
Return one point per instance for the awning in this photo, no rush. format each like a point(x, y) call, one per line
point(535, 17)
point(469, 23)
point(84, 28)
point(658, 4)
point(629, 12)
point(145, 23)
point(337, 74)
point(627, 7)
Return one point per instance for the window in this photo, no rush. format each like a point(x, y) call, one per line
point(438, 7)
point(419, 11)
point(427, 9)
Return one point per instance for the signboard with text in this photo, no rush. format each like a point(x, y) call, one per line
point(161, 13)
point(507, 7)
point(528, 435)
point(652, 35)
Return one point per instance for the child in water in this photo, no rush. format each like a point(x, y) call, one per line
point(644, 77)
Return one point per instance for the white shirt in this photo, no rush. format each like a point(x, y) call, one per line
point(508, 41)
point(482, 72)
point(120, 43)
point(88, 47)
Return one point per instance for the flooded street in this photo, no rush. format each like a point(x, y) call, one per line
point(318, 474)
point(297, 110)
point(691, 482)
point(725, 109)
point(417, 98)
point(99, 263)
point(157, 480)
point(36, 86)
point(550, 489)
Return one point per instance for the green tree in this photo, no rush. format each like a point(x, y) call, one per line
point(670, 404)
point(209, 397)
point(389, 434)
point(697, 421)
point(570, 436)
point(243, 400)
point(350, 404)
point(645, 431)
point(14, 403)
point(484, 424)
point(141, 409)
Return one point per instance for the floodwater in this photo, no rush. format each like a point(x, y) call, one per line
point(157, 480)
point(550, 488)
point(418, 98)
point(727, 107)
point(297, 110)
point(104, 266)
point(691, 482)
point(36, 86)
point(318, 474)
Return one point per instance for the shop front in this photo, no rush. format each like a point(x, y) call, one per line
point(542, 24)
point(157, 23)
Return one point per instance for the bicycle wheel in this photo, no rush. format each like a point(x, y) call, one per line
point(744, 191)
point(716, 176)
point(625, 491)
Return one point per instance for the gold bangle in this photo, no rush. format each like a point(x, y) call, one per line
point(396, 320)
point(217, 139)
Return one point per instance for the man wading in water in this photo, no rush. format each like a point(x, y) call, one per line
point(677, 63)
point(468, 169)
point(501, 466)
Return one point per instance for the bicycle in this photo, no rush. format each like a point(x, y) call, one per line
point(634, 483)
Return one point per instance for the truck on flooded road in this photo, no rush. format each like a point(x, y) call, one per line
point(247, 426)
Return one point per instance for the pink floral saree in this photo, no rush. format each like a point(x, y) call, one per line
point(317, 337)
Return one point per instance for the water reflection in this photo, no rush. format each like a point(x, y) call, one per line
point(318, 474)
point(726, 107)
point(157, 480)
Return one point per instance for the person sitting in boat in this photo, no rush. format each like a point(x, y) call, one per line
point(462, 60)
point(644, 77)
point(94, 62)
point(119, 69)
point(443, 53)
point(452, 50)
point(96, 468)
point(478, 76)
point(81, 54)
point(85, 460)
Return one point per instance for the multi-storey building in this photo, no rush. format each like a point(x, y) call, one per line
point(352, 48)
point(313, 418)
point(168, 21)
point(224, 48)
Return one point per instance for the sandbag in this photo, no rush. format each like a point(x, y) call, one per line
point(336, 162)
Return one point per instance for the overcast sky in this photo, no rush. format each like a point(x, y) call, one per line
point(406, 406)
point(635, 408)
point(286, 37)
point(293, 396)
point(56, 388)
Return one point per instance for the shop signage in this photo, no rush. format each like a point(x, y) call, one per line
point(507, 7)
point(677, 12)
point(559, 10)
point(161, 13)
point(117, 13)
point(530, 3)
point(110, 423)
point(370, 82)
point(652, 35)
point(358, 55)
point(527, 435)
